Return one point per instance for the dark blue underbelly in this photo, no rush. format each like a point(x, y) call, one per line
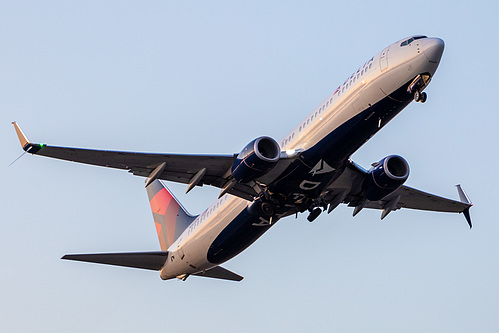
point(335, 149)
point(236, 237)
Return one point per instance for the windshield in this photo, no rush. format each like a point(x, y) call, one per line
point(410, 40)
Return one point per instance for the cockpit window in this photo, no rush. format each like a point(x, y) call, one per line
point(410, 40)
point(407, 42)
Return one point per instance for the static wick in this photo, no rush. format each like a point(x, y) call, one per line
point(24, 153)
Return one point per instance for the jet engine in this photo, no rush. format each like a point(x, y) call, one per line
point(256, 159)
point(385, 177)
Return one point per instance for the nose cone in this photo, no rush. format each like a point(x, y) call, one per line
point(433, 49)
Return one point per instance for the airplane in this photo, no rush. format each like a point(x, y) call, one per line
point(308, 171)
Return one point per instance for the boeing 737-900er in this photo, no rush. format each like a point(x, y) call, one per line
point(309, 171)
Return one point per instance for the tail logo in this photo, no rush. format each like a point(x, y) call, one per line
point(170, 218)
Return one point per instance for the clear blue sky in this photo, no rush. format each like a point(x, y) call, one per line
point(202, 77)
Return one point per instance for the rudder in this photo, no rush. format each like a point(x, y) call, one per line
point(170, 218)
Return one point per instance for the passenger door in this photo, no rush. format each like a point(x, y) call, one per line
point(383, 59)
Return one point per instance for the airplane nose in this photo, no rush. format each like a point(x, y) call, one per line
point(433, 49)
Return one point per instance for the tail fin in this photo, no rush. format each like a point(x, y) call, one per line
point(170, 218)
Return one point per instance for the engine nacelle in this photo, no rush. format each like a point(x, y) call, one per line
point(256, 159)
point(385, 177)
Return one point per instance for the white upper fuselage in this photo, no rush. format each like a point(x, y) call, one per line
point(383, 74)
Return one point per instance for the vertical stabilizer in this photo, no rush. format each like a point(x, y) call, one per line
point(170, 218)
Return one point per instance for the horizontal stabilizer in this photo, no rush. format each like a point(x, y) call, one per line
point(144, 260)
point(220, 273)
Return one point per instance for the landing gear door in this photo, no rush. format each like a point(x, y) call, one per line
point(383, 59)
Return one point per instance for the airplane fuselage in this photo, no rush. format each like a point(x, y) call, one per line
point(323, 143)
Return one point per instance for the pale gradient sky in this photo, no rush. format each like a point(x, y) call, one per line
point(203, 77)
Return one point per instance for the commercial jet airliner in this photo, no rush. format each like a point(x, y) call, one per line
point(309, 171)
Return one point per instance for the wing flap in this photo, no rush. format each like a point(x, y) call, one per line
point(143, 260)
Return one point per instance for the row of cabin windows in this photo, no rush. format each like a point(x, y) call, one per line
point(352, 80)
point(208, 213)
point(319, 111)
point(285, 141)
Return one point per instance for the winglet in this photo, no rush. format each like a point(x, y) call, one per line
point(22, 138)
point(462, 195)
point(465, 199)
point(466, 213)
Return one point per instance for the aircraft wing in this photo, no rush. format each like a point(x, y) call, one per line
point(350, 182)
point(195, 170)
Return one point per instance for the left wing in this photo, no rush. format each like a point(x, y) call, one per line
point(348, 185)
point(195, 170)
